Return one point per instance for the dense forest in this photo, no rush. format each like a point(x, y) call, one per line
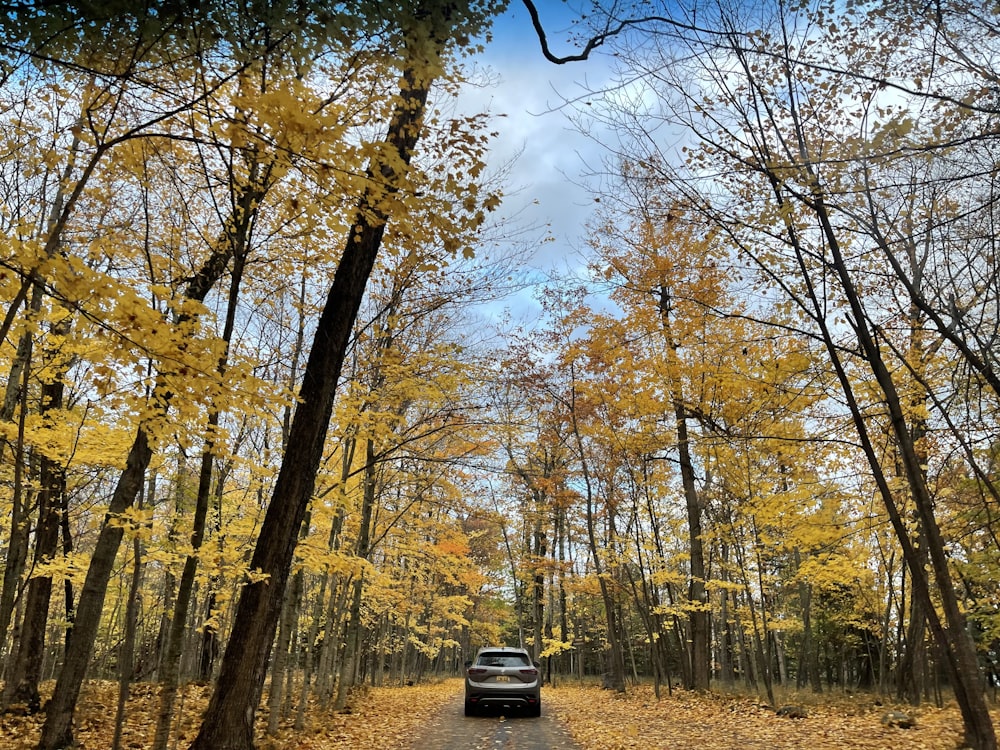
point(263, 429)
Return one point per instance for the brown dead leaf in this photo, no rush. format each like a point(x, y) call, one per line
point(389, 717)
point(717, 722)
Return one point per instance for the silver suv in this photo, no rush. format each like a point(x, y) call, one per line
point(501, 677)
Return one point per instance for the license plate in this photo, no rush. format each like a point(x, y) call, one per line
point(502, 678)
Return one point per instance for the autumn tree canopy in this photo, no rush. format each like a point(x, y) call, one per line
point(262, 427)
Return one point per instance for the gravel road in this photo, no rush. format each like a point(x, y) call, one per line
point(450, 729)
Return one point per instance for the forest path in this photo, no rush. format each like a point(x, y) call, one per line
point(449, 729)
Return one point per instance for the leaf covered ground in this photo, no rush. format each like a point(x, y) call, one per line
point(376, 718)
point(389, 717)
point(602, 720)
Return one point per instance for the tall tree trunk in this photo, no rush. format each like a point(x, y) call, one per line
point(126, 653)
point(333, 637)
point(538, 588)
point(209, 646)
point(169, 673)
point(808, 663)
point(744, 658)
point(699, 611)
point(952, 635)
point(912, 664)
point(67, 551)
point(279, 662)
point(352, 641)
point(280, 698)
point(616, 657)
point(228, 721)
point(21, 685)
point(17, 541)
point(885, 643)
point(680, 633)
point(57, 732)
point(310, 655)
point(727, 644)
point(338, 588)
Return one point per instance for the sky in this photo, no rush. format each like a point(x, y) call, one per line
point(545, 187)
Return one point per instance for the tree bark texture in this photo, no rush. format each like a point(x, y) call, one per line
point(57, 732)
point(21, 683)
point(953, 635)
point(699, 622)
point(228, 721)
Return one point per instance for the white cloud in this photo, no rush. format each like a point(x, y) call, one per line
point(552, 156)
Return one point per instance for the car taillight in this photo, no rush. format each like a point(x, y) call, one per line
point(531, 672)
point(475, 672)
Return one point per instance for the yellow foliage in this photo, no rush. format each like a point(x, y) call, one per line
point(554, 647)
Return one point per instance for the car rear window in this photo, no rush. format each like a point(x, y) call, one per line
point(497, 659)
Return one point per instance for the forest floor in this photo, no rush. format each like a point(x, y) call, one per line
point(388, 718)
point(601, 720)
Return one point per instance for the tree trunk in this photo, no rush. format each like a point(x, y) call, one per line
point(699, 612)
point(17, 543)
point(332, 638)
point(352, 641)
point(953, 635)
point(279, 664)
point(680, 633)
point(310, 655)
point(779, 653)
point(615, 676)
point(208, 650)
point(126, 654)
point(699, 622)
point(913, 663)
point(170, 666)
point(561, 524)
point(57, 732)
point(727, 645)
point(538, 588)
point(228, 721)
point(208, 647)
point(67, 551)
point(21, 685)
point(808, 663)
point(338, 589)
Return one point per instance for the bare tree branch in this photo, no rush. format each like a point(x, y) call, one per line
point(594, 42)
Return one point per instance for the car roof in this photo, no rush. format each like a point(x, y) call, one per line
point(511, 649)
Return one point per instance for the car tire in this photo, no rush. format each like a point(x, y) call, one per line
point(470, 709)
point(535, 710)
